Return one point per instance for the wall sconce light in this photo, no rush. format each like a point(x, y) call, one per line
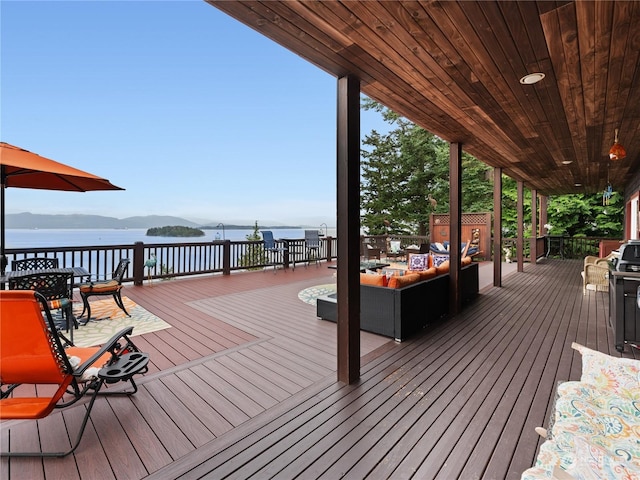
point(617, 151)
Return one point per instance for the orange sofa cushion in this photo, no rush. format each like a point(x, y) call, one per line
point(443, 268)
point(373, 279)
point(427, 274)
point(403, 281)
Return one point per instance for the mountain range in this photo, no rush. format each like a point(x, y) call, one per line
point(31, 220)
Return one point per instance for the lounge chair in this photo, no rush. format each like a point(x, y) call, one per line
point(31, 353)
point(443, 248)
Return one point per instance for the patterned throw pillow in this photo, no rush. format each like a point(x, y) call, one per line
point(617, 375)
point(438, 260)
point(419, 262)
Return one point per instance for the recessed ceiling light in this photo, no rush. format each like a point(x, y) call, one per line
point(532, 78)
point(567, 162)
point(577, 184)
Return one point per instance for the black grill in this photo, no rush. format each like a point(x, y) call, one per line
point(629, 258)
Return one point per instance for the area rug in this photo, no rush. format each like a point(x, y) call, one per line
point(309, 295)
point(108, 319)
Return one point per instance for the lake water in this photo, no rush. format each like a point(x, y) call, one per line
point(29, 238)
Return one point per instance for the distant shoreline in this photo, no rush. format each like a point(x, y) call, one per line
point(33, 221)
point(228, 227)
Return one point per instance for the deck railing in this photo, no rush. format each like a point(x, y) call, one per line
point(178, 259)
point(225, 256)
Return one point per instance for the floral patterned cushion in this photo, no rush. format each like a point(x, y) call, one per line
point(596, 422)
point(617, 375)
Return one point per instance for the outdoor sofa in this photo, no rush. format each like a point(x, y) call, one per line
point(401, 312)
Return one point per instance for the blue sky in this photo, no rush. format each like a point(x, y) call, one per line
point(193, 113)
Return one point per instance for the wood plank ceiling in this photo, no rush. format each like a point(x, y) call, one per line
point(454, 69)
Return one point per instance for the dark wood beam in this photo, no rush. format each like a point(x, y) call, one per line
point(455, 226)
point(348, 228)
point(520, 226)
point(534, 226)
point(497, 227)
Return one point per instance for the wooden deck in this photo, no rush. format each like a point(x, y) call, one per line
point(244, 385)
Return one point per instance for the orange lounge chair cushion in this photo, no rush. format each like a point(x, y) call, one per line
point(31, 408)
point(84, 353)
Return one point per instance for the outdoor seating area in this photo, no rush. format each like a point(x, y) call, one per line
point(397, 309)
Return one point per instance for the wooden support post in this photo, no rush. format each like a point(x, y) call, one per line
point(534, 227)
point(455, 227)
point(226, 258)
point(520, 226)
point(138, 263)
point(497, 227)
point(348, 227)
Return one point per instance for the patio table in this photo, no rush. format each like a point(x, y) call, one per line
point(74, 271)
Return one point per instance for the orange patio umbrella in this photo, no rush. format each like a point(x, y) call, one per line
point(23, 169)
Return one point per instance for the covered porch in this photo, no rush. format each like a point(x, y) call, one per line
point(244, 384)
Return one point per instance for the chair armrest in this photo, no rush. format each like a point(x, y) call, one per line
point(113, 346)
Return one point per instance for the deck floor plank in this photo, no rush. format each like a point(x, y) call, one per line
point(191, 401)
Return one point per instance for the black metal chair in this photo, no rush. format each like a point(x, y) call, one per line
point(34, 263)
point(112, 287)
point(312, 243)
point(275, 254)
point(56, 288)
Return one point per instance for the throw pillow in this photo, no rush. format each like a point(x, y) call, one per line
point(419, 262)
point(617, 375)
point(394, 246)
point(440, 247)
point(438, 260)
